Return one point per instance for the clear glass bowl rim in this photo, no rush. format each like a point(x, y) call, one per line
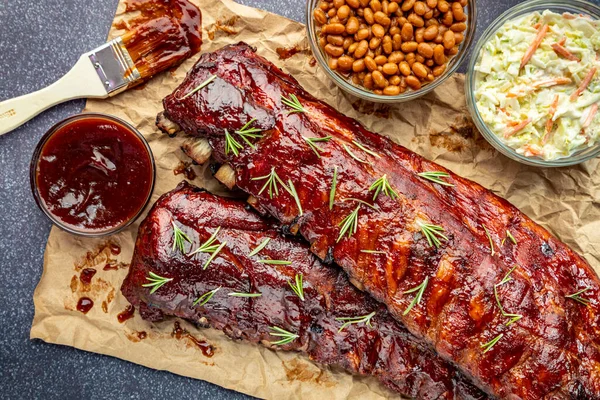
point(573, 6)
point(33, 175)
point(408, 95)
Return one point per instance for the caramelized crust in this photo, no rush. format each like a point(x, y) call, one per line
point(551, 352)
point(386, 350)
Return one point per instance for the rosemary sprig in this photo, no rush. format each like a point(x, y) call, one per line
point(333, 187)
point(213, 255)
point(155, 281)
point(436, 176)
point(240, 294)
point(286, 337)
point(201, 86)
point(179, 238)
point(488, 346)
point(383, 185)
point(487, 233)
point(511, 237)
point(577, 296)
point(312, 142)
point(231, 145)
point(259, 247)
point(360, 160)
point(297, 286)
point(202, 300)
point(271, 183)
point(275, 262)
point(513, 317)
point(420, 289)
point(292, 191)
point(293, 103)
point(366, 319)
point(247, 133)
point(373, 251)
point(349, 224)
point(363, 148)
point(431, 233)
point(208, 246)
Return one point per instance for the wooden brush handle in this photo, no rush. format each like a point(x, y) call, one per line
point(81, 81)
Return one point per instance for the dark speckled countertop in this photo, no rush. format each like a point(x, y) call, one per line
point(39, 41)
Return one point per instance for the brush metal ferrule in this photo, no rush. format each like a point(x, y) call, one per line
point(114, 66)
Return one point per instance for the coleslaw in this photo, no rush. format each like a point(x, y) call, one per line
point(537, 85)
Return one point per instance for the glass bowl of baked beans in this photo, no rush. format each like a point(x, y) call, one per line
point(390, 51)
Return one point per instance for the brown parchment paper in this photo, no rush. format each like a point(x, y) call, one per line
point(565, 201)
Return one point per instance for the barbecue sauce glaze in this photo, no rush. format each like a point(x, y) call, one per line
point(94, 174)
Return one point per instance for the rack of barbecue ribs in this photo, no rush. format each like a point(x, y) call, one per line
point(254, 284)
point(465, 271)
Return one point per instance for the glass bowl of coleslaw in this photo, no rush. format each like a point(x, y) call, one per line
point(533, 83)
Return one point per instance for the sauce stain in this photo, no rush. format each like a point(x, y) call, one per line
point(115, 249)
point(136, 336)
point(186, 169)
point(296, 370)
point(287, 52)
point(226, 26)
point(126, 314)
point(180, 333)
point(74, 283)
point(94, 257)
point(459, 137)
point(312, 62)
point(85, 304)
point(368, 108)
point(86, 275)
point(113, 266)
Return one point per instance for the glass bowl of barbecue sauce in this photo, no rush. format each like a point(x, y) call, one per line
point(92, 174)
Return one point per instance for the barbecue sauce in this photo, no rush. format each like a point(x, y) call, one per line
point(94, 174)
point(85, 304)
point(126, 314)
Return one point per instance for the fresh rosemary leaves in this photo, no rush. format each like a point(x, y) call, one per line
point(241, 294)
point(510, 237)
point(271, 183)
point(372, 251)
point(360, 160)
point(349, 224)
point(231, 145)
point(275, 262)
point(286, 337)
point(432, 232)
point(155, 281)
point(333, 187)
point(292, 191)
point(199, 87)
point(179, 238)
point(488, 346)
point(209, 247)
point(578, 298)
point(487, 233)
point(363, 148)
point(436, 177)
point(297, 286)
point(312, 143)
point(420, 290)
point(259, 247)
point(382, 185)
point(247, 133)
point(293, 103)
point(366, 319)
point(202, 300)
point(513, 317)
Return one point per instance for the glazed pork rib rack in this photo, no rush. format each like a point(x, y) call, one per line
point(463, 269)
point(371, 342)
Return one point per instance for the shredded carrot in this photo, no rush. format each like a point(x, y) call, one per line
point(530, 151)
point(569, 16)
point(584, 84)
point(534, 46)
point(561, 51)
point(545, 84)
point(562, 41)
point(590, 117)
point(517, 128)
point(537, 26)
point(550, 122)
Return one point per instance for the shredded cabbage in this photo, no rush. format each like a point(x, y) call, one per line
point(509, 96)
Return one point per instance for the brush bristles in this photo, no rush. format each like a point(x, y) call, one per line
point(157, 45)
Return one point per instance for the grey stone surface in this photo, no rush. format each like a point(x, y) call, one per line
point(39, 41)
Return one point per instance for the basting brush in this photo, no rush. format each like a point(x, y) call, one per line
point(108, 70)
